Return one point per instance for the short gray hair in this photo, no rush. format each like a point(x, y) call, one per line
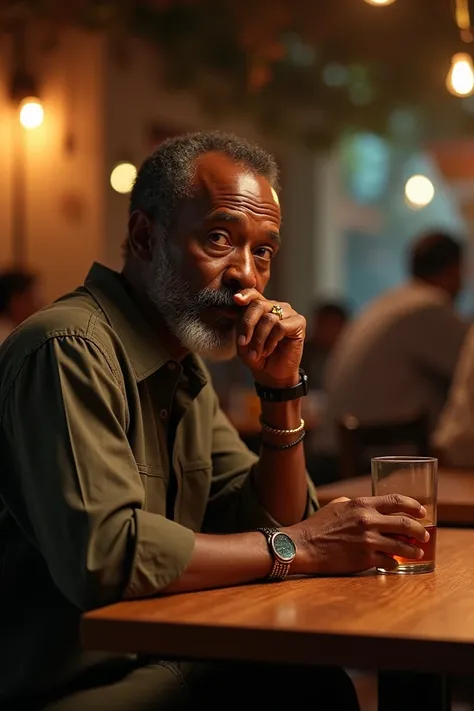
point(167, 175)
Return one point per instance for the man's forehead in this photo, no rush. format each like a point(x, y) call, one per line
point(218, 175)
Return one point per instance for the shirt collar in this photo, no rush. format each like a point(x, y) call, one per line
point(141, 342)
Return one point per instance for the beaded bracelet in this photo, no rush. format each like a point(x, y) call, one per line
point(288, 445)
point(280, 433)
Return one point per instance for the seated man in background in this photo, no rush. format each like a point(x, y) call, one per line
point(396, 360)
point(328, 321)
point(20, 297)
point(120, 476)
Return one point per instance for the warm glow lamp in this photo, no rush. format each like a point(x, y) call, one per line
point(380, 3)
point(31, 113)
point(460, 79)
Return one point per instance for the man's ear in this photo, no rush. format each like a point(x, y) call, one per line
point(140, 230)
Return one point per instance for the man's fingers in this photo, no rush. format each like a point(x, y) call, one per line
point(339, 500)
point(405, 527)
point(264, 327)
point(244, 297)
point(394, 503)
point(287, 328)
point(402, 546)
point(251, 317)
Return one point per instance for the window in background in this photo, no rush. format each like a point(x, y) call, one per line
point(374, 174)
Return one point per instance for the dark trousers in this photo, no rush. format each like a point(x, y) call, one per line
point(183, 686)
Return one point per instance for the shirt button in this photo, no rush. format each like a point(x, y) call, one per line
point(163, 414)
point(171, 365)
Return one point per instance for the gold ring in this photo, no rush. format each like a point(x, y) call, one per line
point(277, 310)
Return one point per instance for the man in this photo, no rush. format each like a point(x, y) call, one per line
point(328, 322)
point(395, 361)
point(122, 469)
point(19, 298)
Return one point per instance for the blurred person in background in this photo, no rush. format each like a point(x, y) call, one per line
point(328, 320)
point(396, 360)
point(20, 297)
point(453, 439)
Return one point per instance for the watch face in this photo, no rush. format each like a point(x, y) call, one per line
point(284, 547)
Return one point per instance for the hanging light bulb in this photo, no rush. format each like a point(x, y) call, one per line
point(380, 2)
point(460, 79)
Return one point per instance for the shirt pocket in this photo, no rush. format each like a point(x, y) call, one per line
point(155, 484)
point(196, 478)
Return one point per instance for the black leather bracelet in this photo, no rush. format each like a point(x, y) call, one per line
point(289, 445)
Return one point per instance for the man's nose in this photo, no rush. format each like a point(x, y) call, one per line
point(240, 274)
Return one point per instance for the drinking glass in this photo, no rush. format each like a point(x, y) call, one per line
point(416, 477)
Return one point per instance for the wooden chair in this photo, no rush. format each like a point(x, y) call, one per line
point(356, 440)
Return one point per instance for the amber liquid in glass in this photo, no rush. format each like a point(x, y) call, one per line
point(425, 564)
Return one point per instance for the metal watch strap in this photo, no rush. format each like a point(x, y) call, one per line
point(279, 570)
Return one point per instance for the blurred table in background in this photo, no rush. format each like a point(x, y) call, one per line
point(455, 494)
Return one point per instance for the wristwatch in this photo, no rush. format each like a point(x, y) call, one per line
point(284, 394)
point(283, 552)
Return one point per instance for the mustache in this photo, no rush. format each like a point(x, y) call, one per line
point(216, 298)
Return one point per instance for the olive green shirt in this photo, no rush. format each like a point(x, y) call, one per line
point(112, 456)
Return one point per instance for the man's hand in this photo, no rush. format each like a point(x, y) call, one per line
point(355, 535)
point(271, 347)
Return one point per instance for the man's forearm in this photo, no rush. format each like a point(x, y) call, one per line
point(281, 474)
point(236, 559)
point(223, 561)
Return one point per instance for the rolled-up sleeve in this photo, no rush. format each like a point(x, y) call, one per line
point(72, 482)
point(234, 505)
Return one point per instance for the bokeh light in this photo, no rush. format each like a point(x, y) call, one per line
point(419, 191)
point(31, 113)
point(460, 79)
point(123, 176)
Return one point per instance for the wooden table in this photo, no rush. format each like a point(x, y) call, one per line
point(420, 623)
point(455, 494)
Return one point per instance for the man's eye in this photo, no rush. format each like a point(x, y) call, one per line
point(264, 253)
point(219, 238)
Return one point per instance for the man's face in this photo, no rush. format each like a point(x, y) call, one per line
point(221, 241)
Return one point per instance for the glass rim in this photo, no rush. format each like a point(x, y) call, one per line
point(406, 460)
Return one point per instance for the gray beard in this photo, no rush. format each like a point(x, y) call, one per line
point(181, 308)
